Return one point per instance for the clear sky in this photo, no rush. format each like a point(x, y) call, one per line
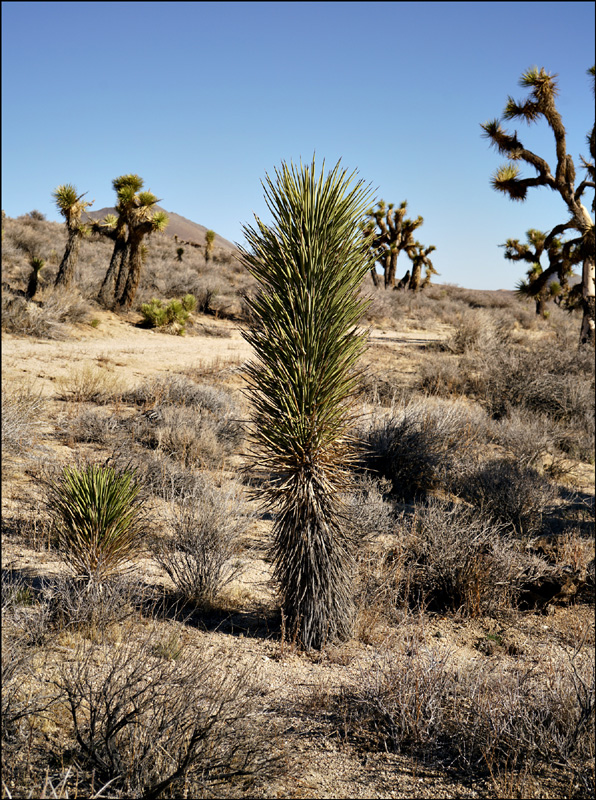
point(203, 99)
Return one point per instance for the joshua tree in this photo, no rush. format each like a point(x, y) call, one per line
point(209, 240)
point(37, 264)
point(540, 283)
point(142, 221)
point(71, 207)
point(389, 232)
point(541, 103)
point(179, 253)
point(126, 187)
point(419, 256)
point(310, 265)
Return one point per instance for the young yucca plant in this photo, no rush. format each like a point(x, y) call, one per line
point(309, 263)
point(99, 517)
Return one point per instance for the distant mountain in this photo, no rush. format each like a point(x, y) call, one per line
point(184, 229)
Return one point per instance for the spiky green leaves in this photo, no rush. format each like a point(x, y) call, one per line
point(309, 263)
point(99, 518)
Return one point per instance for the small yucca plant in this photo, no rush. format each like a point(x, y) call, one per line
point(309, 264)
point(99, 518)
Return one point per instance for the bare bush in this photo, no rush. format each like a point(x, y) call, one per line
point(159, 474)
point(75, 605)
point(477, 330)
point(400, 703)
point(422, 443)
point(509, 492)
point(202, 555)
point(151, 725)
point(46, 318)
point(88, 384)
point(21, 409)
point(497, 723)
point(522, 718)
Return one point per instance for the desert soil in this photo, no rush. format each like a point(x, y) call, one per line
point(320, 765)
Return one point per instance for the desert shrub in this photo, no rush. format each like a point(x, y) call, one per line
point(495, 722)
point(75, 605)
point(552, 380)
point(100, 518)
point(422, 443)
point(89, 426)
point(177, 390)
point(153, 726)
point(456, 559)
point(507, 720)
point(367, 510)
point(45, 318)
point(201, 554)
point(526, 437)
point(477, 330)
point(509, 492)
point(193, 424)
point(188, 436)
point(159, 474)
point(87, 384)
point(401, 702)
point(21, 409)
point(172, 316)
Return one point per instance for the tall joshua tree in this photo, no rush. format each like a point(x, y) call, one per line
point(507, 179)
point(309, 264)
point(71, 206)
point(390, 232)
point(142, 221)
point(126, 187)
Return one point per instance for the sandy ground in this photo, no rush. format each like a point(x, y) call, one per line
point(322, 767)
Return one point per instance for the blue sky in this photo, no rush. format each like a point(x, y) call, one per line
point(203, 99)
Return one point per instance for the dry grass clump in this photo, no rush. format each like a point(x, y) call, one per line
point(201, 551)
point(46, 318)
point(498, 723)
point(88, 384)
point(422, 443)
point(21, 412)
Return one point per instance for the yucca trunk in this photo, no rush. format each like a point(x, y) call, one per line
point(587, 335)
point(107, 293)
point(66, 272)
point(131, 268)
point(310, 264)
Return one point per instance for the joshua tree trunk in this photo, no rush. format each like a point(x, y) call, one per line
point(107, 293)
point(415, 276)
point(135, 263)
point(588, 302)
point(66, 273)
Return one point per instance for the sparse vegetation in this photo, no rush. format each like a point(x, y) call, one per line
point(461, 652)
